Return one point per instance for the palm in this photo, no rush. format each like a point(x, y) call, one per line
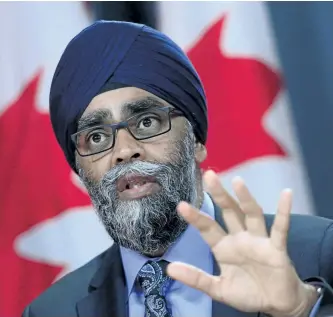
point(256, 272)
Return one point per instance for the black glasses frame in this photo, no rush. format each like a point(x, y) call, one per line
point(124, 125)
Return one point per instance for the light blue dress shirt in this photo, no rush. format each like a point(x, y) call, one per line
point(184, 301)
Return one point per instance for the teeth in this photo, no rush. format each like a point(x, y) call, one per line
point(135, 185)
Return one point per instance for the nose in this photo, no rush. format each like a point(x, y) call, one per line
point(126, 148)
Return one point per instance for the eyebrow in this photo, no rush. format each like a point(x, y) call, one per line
point(137, 106)
point(128, 109)
point(96, 117)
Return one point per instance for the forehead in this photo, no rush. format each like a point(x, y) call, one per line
point(117, 105)
point(116, 101)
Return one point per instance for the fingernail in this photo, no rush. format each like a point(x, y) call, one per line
point(183, 207)
point(288, 191)
point(237, 179)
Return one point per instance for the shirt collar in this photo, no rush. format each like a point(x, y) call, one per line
point(180, 251)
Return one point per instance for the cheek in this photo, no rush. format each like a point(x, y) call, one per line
point(158, 152)
point(95, 168)
point(161, 149)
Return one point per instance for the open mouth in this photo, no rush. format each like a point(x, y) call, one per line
point(136, 186)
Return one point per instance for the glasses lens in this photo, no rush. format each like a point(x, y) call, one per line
point(94, 140)
point(149, 124)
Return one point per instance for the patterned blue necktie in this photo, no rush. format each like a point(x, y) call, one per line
point(155, 283)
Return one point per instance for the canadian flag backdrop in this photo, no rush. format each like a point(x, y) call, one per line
point(251, 132)
point(48, 227)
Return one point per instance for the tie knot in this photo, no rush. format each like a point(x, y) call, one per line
point(153, 278)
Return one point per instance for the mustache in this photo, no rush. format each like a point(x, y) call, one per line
point(142, 168)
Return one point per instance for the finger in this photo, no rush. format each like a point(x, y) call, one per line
point(221, 244)
point(209, 229)
point(254, 217)
point(196, 278)
point(231, 212)
point(280, 227)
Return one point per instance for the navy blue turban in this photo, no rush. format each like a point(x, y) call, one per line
point(127, 54)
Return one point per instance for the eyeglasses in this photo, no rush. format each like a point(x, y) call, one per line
point(142, 126)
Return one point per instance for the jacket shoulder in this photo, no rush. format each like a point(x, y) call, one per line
point(61, 297)
point(310, 241)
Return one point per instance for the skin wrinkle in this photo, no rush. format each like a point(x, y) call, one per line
point(102, 116)
point(151, 224)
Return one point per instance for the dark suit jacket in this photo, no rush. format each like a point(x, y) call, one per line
point(98, 289)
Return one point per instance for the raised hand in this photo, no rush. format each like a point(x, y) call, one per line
point(256, 272)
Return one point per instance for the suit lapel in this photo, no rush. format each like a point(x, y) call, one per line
point(220, 309)
point(107, 290)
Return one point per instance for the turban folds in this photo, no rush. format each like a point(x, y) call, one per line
point(125, 53)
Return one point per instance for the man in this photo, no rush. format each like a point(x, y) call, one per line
point(129, 111)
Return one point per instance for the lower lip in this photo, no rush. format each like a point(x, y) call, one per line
point(139, 192)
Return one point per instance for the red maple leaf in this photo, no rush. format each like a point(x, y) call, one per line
point(35, 186)
point(239, 92)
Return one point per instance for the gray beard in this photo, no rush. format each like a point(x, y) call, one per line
point(149, 225)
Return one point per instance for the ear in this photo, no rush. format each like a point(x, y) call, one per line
point(200, 152)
